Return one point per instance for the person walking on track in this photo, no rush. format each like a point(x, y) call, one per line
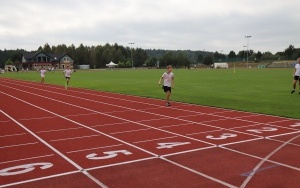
point(43, 73)
point(296, 75)
point(67, 72)
point(168, 78)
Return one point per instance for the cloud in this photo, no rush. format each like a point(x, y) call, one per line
point(215, 25)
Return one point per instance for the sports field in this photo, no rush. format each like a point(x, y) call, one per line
point(264, 91)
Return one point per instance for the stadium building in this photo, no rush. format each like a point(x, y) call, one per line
point(37, 60)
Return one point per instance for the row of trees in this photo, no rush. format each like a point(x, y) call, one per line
point(289, 53)
point(99, 56)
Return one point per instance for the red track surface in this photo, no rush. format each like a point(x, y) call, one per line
point(53, 137)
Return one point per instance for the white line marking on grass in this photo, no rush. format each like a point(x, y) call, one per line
point(51, 147)
point(264, 160)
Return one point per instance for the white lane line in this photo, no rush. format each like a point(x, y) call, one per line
point(188, 151)
point(121, 163)
point(10, 146)
point(75, 151)
point(52, 148)
point(38, 157)
point(58, 130)
point(155, 139)
point(39, 118)
point(276, 140)
point(9, 135)
point(77, 123)
point(136, 130)
point(283, 134)
point(38, 179)
point(4, 121)
point(231, 143)
point(73, 105)
point(264, 160)
point(201, 174)
point(253, 156)
point(73, 138)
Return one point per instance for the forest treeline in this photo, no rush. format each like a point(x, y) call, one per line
point(99, 56)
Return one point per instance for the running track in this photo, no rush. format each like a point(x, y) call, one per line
point(53, 137)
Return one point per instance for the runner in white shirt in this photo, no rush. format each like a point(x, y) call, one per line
point(168, 78)
point(67, 72)
point(43, 73)
point(296, 76)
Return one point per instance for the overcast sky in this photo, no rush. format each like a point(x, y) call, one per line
point(210, 25)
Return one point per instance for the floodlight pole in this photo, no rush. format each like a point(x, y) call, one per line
point(244, 53)
point(247, 48)
point(131, 43)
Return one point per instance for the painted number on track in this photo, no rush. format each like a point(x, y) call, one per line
point(263, 129)
point(108, 154)
point(222, 136)
point(171, 144)
point(295, 125)
point(21, 169)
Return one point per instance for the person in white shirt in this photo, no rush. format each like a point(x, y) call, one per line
point(168, 78)
point(296, 76)
point(67, 72)
point(43, 73)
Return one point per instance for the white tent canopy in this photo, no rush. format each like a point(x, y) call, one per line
point(111, 64)
point(221, 65)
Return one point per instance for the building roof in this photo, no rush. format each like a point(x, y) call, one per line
point(54, 57)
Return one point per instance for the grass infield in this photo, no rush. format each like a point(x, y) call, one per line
point(264, 91)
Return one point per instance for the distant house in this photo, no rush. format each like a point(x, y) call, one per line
point(37, 60)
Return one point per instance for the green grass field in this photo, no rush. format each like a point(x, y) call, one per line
point(264, 91)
